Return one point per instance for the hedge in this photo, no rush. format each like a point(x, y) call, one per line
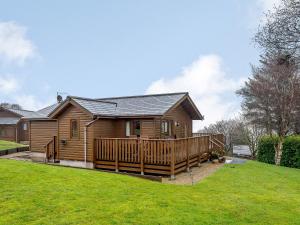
point(291, 152)
point(266, 150)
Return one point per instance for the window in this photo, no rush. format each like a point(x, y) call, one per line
point(74, 129)
point(165, 127)
point(136, 127)
point(24, 126)
point(2, 132)
point(127, 128)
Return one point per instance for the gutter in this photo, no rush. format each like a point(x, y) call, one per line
point(85, 138)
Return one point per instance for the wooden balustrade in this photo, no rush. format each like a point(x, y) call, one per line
point(160, 156)
point(51, 150)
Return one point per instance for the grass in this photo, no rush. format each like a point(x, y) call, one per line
point(252, 193)
point(4, 145)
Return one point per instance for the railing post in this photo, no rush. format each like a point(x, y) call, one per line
point(199, 140)
point(173, 160)
point(141, 150)
point(116, 152)
point(187, 154)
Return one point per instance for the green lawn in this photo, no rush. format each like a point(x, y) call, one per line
point(4, 145)
point(252, 193)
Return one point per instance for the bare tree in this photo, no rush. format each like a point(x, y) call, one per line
point(252, 133)
point(230, 129)
point(281, 31)
point(271, 97)
point(10, 106)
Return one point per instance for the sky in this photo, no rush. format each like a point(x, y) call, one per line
point(118, 48)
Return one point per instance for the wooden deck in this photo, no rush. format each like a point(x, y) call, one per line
point(155, 156)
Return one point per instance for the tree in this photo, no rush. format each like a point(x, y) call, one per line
point(271, 97)
point(230, 129)
point(281, 31)
point(251, 134)
point(10, 106)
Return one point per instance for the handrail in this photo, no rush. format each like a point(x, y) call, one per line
point(49, 142)
point(220, 142)
point(150, 139)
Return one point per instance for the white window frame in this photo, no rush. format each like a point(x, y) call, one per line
point(127, 129)
point(25, 126)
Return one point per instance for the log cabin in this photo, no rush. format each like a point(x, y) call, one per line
point(146, 133)
point(14, 124)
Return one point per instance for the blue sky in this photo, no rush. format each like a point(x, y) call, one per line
point(115, 48)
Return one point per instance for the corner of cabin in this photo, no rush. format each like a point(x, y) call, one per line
point(182, 115)
point(72, 121)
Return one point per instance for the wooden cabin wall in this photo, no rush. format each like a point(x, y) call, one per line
point(74, 147)
point(10, 131)
point(180, 115)
point(23, 135)
point(148, 128)
point(116, 128)
point(104, 128)
point(4, 113)
point(41, 132)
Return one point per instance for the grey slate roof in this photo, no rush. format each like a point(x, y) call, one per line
point(25, 113)
point(9, 120)
point(145, 104)
point(45, 111)
point(150, 105)
point(97, 107)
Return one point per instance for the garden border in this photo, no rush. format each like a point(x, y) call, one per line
point(14, 150)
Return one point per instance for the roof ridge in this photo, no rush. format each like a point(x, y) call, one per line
point(92, 99)
point(18, 109)
point(148, 95)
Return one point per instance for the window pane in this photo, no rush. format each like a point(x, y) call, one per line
point(74, 128)
point(127, 128)
point(25, 126)
point(137, 127)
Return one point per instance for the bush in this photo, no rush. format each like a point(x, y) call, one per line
point(291, 152)
point(266, 149)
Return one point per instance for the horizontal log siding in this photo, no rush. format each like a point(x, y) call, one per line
point(148, 128)
point(180, 115)
point(41, 133)
point(23, 135)
point(10, 131)
point(4, 113)
point(74, 148)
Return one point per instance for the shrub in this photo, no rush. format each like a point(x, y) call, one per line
point(291, 152)
point(266, 149)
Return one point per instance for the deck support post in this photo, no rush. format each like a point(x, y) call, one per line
point(187, 146)
point(116, 151)
point(199, 151)
point(141, 149)
point(173, 160)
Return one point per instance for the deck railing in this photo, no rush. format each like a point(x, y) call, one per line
point(51, 150)
point(161, 156)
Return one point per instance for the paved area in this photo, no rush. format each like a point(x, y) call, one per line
point(234, 160)
point(195, 175)
point(25, 156)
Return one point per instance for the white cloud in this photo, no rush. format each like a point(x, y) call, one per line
point(8, 85)
point(30, 102)
point(209, 86)
point(15, 47)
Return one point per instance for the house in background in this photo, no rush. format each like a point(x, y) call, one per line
point(15, 124)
